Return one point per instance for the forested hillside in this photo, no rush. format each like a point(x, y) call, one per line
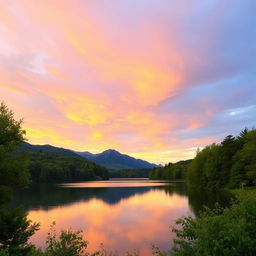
point(54, 168)
point(47, 167)
point(52, 164)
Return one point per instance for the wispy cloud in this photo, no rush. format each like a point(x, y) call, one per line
point(151, 78)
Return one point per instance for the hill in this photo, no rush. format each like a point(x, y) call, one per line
point(110, 158)
point(52, 164)
point(48, 149)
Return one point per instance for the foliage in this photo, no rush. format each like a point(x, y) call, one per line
point(13, 169)
point(243, 171)
point(130, 173)
point(205, 169)
point(48, 167)
point(229, 146)
point(4, 252)
point(232, 163)
point(220, 232)
point(15, 229)
point(69, 243)
point(11, 131)
point(170, 171)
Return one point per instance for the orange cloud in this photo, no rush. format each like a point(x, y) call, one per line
point(95, 78)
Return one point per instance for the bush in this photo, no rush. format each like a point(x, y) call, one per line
point(69, 243)
point(219, 232)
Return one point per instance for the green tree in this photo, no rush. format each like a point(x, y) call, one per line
point(15, 229)
point(229, 147)
point(219, 232)
point(13, 168)
point(196, 176)
point(243, 171)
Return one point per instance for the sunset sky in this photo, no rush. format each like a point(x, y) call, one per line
point(154, 79)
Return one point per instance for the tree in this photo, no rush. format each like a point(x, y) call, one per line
point(15, 229)
point(243, 171)
point(219, 232)
point(229, 147)
point(13, 167)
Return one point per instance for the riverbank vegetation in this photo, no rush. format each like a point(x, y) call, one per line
point(230, 164)
point(219, 232)
point(170, 171)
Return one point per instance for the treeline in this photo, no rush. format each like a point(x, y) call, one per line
point(49, 167)
point(232, 163)
point(130, 173)
point(170, 171)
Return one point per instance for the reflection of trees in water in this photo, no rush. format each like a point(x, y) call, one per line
point(199, 199)
point(46, 195)
point(175, 188)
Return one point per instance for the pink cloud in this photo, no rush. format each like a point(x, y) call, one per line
point(91, 75)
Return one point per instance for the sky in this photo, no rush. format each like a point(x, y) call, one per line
point(155, 79)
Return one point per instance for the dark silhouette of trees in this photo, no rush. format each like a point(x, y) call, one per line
point(15, 229)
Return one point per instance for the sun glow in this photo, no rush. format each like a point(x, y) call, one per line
point(141, 77)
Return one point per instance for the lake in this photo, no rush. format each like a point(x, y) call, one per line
point(121, 214)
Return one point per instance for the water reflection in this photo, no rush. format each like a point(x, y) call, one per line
point(199, 199)
point(113, 183)
point(121, 214)
point(45, 196)
point(122, 218)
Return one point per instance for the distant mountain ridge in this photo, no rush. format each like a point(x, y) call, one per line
point(48, 149)
point(113, 159)
point(110, 158)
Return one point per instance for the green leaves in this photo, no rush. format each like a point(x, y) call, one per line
point(11, 133)
point(15, 230)
point(13, 168)
point(68, 243)
point(243, 171)
point(229, 164)
point(48, 167)
point(220, 232)
point(170, 171)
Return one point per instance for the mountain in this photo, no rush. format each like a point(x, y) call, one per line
point(48, 149)
point(52, 164)
point(113, 159)
point(110, 158)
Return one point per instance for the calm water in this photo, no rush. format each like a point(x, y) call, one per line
point(122, 214)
